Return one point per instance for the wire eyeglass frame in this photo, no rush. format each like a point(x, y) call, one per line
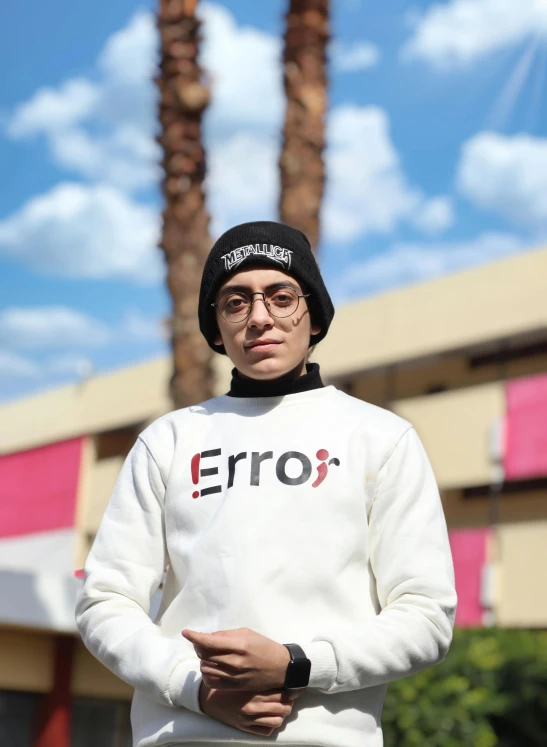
point(266, 304)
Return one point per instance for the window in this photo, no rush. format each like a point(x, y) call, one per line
point(18, 716)
point(94, 722)
point(100, 723)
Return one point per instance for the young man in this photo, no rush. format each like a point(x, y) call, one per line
point(307, 551)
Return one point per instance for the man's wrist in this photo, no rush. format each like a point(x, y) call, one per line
point(203, 695)
point(285, 658)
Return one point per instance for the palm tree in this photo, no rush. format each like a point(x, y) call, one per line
point(305, 80)
point(185, 238)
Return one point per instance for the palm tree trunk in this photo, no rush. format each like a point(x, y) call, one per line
point(305, 79)
point(185, 237)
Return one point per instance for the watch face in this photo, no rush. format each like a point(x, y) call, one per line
point(298, 673)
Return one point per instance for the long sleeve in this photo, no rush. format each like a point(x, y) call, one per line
point(412, 564)
point(122, 572)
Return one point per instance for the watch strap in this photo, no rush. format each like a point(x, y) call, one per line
point(296, 651)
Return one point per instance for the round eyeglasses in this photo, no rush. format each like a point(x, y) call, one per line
point(235, 306)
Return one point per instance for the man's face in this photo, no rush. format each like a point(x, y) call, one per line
point(287, 338)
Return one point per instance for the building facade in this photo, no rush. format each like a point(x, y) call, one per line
point(463, 358)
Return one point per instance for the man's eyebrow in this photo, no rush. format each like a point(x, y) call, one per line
point(247, 289)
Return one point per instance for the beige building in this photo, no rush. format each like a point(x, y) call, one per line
point(442, 354)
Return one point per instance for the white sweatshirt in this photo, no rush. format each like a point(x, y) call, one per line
point(312, 518)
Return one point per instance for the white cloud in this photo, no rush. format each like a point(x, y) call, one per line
point(349, 58)
point(435, 215)
point(103, 130)
point(131, 54)
point(244, 64)
point(367, 190)
point(243, 124)
point(85, 231)
point(17, 370)
point(68, 339)
point(53, 109)
point(15, 367)
point(242, 182)
point(138, 327)
point(366, 187)
point(60, 343)
point(126, 158)
point(408, 263)
point(506, 175)
point(95, 231)
point(69, 366)
point(50, 327)
point(457, 33)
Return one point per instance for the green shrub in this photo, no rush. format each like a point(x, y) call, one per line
point(490, 691)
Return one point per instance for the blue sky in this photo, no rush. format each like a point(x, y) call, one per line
point(436, 159)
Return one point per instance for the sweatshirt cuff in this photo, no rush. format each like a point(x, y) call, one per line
point(324, 667)
point(184, 684)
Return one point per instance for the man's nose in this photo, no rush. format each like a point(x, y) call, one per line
point(259, 311)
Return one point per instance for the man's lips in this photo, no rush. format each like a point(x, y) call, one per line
point(262, 344)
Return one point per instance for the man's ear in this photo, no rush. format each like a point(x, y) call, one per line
point(315, 329)
point(218, 337)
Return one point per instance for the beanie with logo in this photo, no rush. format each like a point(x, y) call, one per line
point(263, 244)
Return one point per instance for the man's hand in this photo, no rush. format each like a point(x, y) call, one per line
point(240, 659)
point(256, 713)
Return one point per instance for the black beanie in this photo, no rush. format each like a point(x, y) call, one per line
point(264, 244)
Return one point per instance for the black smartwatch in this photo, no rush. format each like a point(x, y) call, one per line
point(298, 669)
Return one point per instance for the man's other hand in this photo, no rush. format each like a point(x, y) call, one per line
point(256, 713)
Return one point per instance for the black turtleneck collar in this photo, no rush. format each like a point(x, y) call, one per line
point(240, 387)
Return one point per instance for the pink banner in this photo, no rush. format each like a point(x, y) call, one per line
point(469, 555)
point(39, 488)
point(526, 428)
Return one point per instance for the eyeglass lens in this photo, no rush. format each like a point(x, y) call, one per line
point(237, 306)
